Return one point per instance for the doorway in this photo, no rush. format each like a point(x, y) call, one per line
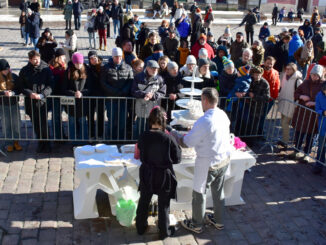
point(303, 4)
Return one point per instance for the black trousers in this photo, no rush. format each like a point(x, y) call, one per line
point(274, 19)
point(97, 126)
point(108, 29)
point(68, 24)
point(251, 35)
point(163, 213)
point(39, 121)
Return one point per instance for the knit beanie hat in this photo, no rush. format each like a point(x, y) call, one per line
point(92, 54)
point(318, 69)
point(227, 30)
point(227, 63)
point(191, 60)
point(116, 52)
point(59, 52)
point(4, 65)
point(77, 58)
point(203, 52)
point(244, 70)
point(172, 65)
point(322, 61)
point(202, 62)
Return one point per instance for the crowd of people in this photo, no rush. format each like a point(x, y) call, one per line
point(149, 66)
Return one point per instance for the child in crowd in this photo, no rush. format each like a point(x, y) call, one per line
point(264, 33)
point(183, 53)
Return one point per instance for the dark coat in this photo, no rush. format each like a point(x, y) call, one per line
point(250, 20)
point(269, 48)
point(236, 49)
point(227, 82)
point(275, 12)
point(146, 51)
point(72, 86)
point(116, 12)
point(93, 80)
point(77, 8)
point(35, 80)
point(305, 120)
point(218, 61)
point(24, 6)
point(171, 48)
point(46, 47)
point(35, 7)
point(127, 33)
point(196, 30)
point(261, 92)
point(315, 40)
point(173, 85)
point(101, 20)
point(281, 54)
point(33, 23)
point(158, 151)
point(307, 30)
point(142, 36)
point(116, 82)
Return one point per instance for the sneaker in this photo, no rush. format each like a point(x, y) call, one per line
point(188, 225)
point(17, 146)
point(211, 220)
point(306, 159)
point(9, 148)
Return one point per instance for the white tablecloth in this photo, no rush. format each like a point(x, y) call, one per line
point(112, 171)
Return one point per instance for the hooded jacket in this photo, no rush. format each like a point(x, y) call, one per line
point(294, 44)
point(218, 61)
point(307, 29)
point(116, 81)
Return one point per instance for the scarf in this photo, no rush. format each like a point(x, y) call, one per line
point(208, 13)
point(306, 52)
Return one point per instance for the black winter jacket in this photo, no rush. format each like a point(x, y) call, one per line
point(227, 83)
point(46, 47)
point(250, 20)
point(35, 80)
point(93, 80)
point(101, 20)
point(116, 82)
point(116, 12)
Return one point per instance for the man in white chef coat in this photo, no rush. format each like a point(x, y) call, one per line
point(210, 136)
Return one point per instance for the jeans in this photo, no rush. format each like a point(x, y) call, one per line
point(10, 122)
point(128, 6)
point(22, 32)
point(78, 128)
point(92, 37)
point(46, 4)
point(26, 37)
point(116, 26)
point(215, 179)
point(117, 118)
point(77, 20)
point(321, 151)
point(34, 41)
point(280, 17)
point(102, 36)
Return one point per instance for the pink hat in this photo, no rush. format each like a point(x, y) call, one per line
point(77, 58)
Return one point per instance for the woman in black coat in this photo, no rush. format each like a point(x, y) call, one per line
point(250, 19)
point(158, 151)
point(47, 44)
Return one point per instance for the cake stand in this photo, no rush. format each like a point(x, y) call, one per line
point(192, 91)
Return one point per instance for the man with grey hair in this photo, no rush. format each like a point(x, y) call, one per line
point(210, 136)
point(203, 54)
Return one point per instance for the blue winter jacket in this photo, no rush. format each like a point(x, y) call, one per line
point(242, 85)
point(33, 23)
point(295, 44)
point(320, 108)
point(77, 8)
point(264, 33)
point(184, 28)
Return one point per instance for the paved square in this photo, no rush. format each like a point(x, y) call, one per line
point(285, 203)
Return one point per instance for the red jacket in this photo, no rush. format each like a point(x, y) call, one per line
point(273, 78)
point(195, 49)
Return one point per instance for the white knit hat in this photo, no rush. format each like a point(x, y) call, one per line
point(191, 60)
point(203, 52)
point(116, 52)
point(318, 69)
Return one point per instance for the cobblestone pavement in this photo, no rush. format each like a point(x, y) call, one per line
point(285, 203)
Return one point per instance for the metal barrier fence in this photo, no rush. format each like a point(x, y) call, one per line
point(121, 119)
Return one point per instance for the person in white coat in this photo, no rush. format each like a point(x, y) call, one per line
point(290, 81)
point(210, 136)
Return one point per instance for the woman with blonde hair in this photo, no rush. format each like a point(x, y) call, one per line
point(9, 107)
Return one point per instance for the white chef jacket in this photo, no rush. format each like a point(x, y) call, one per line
point(210, 136)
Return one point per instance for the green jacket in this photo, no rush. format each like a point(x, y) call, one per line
point(67, 11)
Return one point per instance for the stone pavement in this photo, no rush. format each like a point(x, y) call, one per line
point(285, 203)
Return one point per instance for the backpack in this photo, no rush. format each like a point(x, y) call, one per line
point(41, 23)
